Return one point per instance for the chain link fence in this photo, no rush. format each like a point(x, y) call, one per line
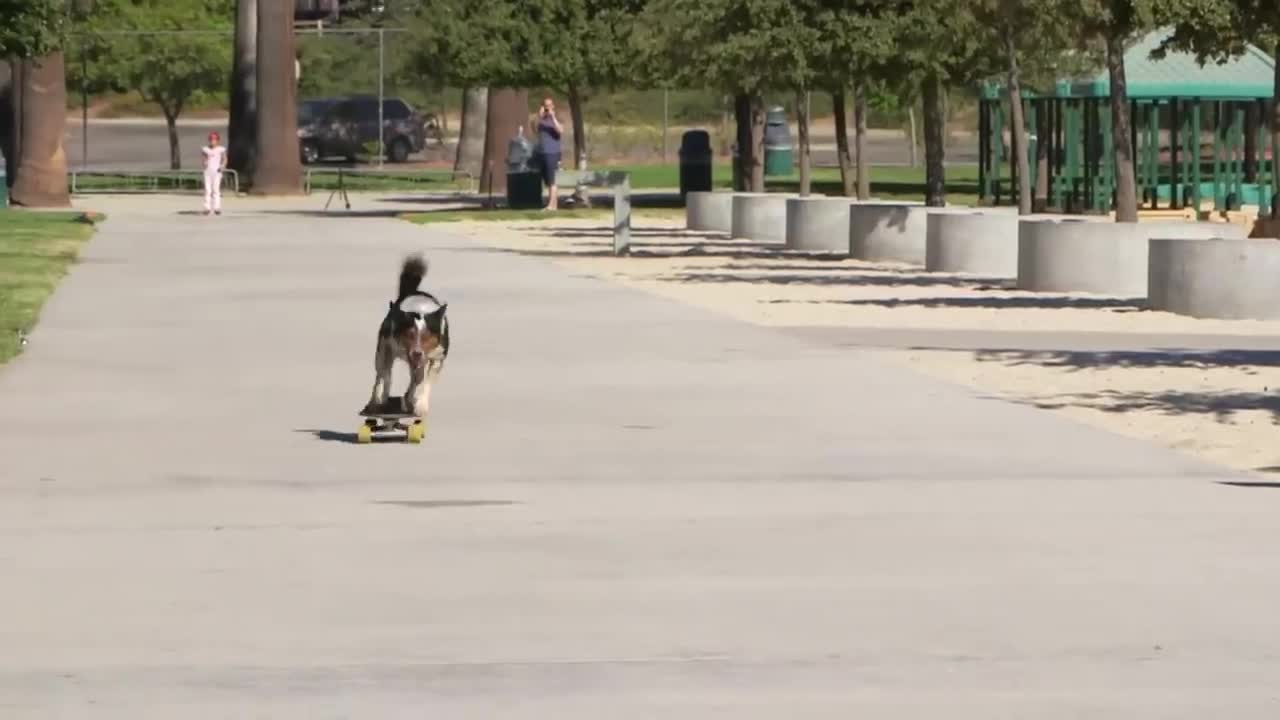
point(123, 84)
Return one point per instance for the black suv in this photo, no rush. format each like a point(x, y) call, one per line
point(345, 127)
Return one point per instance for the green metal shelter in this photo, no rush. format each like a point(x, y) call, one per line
point(1199, 134)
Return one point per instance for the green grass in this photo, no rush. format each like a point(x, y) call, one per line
point(36, 248)
point(504, 215)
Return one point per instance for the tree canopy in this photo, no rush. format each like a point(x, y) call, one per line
point(32, 28)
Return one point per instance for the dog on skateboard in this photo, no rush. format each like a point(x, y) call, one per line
point(415, 331)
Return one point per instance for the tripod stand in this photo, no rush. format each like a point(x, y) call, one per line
point(340, 191)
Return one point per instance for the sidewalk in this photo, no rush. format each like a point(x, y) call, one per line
point(625, 506)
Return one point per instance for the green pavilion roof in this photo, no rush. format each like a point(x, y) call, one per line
point(1251, 75)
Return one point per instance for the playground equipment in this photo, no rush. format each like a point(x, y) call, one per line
point(1200, 136)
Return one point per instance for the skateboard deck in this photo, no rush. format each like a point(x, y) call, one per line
point(390, 419)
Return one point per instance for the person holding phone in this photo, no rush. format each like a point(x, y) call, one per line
point(549, 130)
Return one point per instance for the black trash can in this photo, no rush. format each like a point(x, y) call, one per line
point(695, 162)
point(524, 181)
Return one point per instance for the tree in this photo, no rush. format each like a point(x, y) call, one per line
point(1035, 43)
point(1221, 29)
point(141, 50)
point(575, 47)
point(746, 47)
point(278, 169)
point(473, 44)
point(32, 33)
point(32, 28)
point(1113, 24)
point(475, 109)
point(40, 84)
point(242, 130)
point(856, 40)
point(943, 47)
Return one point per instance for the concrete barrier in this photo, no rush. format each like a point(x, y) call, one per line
point(709, 211)
point(892, 231)
point(760, 216)
point(982, 242)
point(1107, 258)
point(1227, 279)
point(818, 223)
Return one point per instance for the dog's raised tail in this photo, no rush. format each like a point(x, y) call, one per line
point(411, 274)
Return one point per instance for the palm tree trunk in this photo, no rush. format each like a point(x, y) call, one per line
point(470, 155)
point(242, 132)
point(935, 152)
point(1019, 127)
point(508, 113)
point(1126, 183)
point(860, 142)
point(278, 169)
point(42, 161)
point(576, 102)
point(757, 142)
point(802, 117)
point(842, 143)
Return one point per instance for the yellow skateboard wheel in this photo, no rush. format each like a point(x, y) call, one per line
point(364, 435)
point(416, 432)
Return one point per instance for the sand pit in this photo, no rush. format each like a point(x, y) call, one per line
point(1215, 407)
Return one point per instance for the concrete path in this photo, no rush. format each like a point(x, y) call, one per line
point(625, 508)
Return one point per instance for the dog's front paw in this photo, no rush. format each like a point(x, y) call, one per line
point(371, 407)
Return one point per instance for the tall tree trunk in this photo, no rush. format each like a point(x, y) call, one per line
point(742, 142)
point(10, 94)
point(470, 156)
point(175, 151)
point(42, 161)
point(1041, 202)
point(842, 143)
point(802, 120)
point(278, 167)
point(1019, 127)
point(757, 142)
point(913, 148)
point(579, 127)
point(860, 141)
point(935, 179)
point(1275, 140)
point(508, 114)
point(1126, 183)
point(242, 131)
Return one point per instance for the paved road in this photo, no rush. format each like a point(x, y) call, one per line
point(627, 508)
point(145, 146)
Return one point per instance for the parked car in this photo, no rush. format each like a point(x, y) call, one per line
point(345, 127)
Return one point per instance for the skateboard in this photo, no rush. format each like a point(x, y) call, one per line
point(391, 418)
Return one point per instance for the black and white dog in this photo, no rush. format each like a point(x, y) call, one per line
point(416, 332)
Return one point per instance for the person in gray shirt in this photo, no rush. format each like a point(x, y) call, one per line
point(549, 130)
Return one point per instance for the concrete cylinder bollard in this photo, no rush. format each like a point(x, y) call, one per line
point(981, 242)
point(892, 231)
point(760, 216)
point(1107, 258)
point(818, 223)
point(1225, 279)
point(709, 211)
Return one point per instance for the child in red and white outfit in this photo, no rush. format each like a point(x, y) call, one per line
point(215, 161)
